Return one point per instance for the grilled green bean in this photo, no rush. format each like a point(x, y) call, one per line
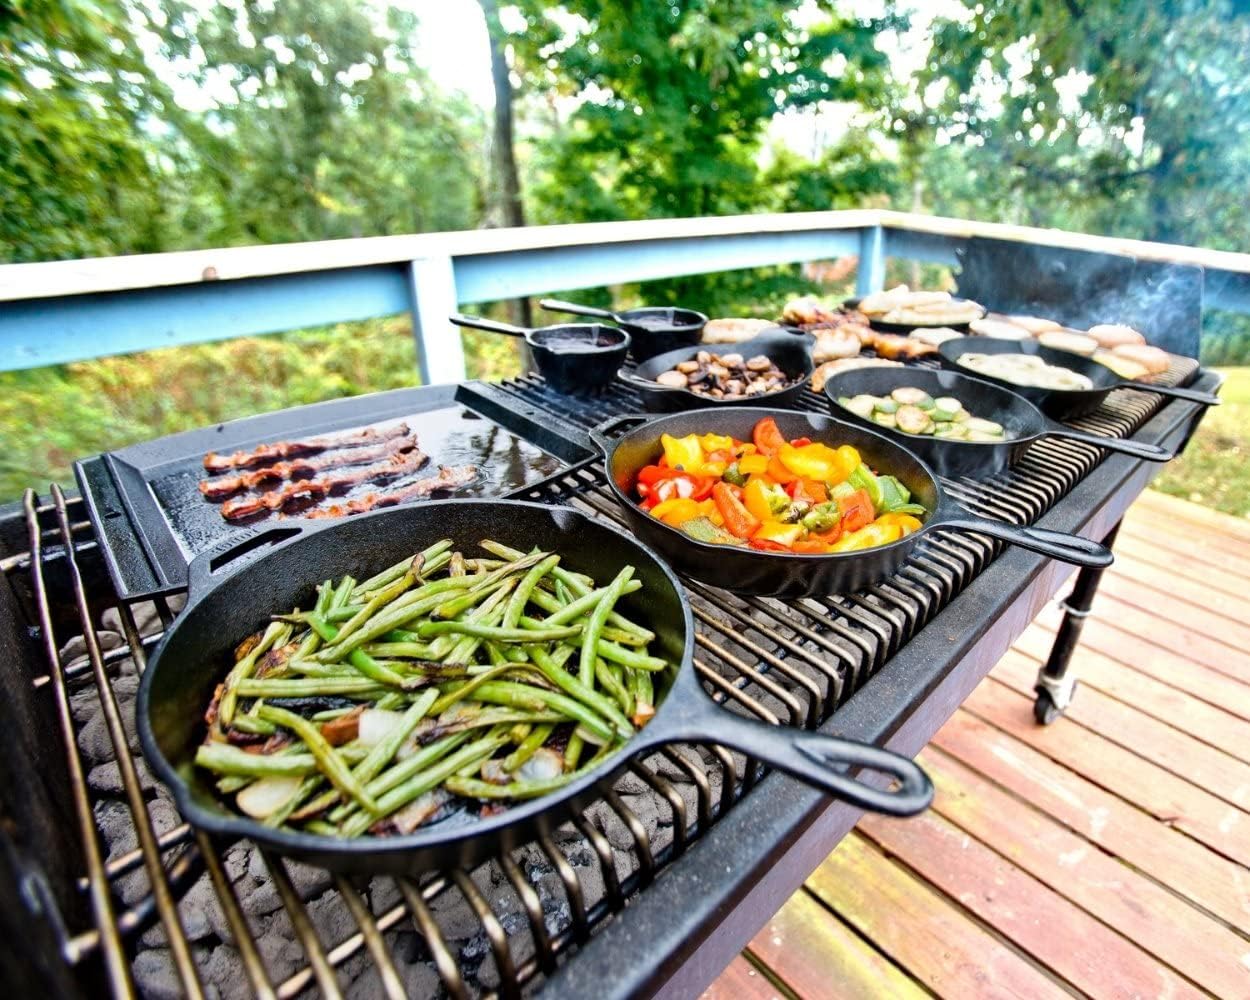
point(329, 762)
point(599, 618)
point(226, 759)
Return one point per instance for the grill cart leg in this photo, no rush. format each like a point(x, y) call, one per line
point(1054, 687)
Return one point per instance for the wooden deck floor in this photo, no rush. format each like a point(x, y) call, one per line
point(1107, 855)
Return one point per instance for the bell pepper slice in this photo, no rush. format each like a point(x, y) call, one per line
point(738, 520)
point(768, 437)
point(863, 478)
point(868, 537)
point(762, 500)
point(801, 442)
point(906, 522)
point(812, 461)
point(775, 531)
point(682, 453)
point(857, 511)
point(717, 442)
point(765, 545)
point(778, 473)
point(810, 546)
point(676, 511)
point(753, 465)
point(811, 490)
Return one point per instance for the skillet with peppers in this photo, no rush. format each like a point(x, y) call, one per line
point(797, 496)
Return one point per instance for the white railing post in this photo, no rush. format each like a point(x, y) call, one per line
point(440, 352)
point(871, 274)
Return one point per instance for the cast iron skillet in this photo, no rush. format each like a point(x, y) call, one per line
point(750, 571)
point(1062, 404)
point(884, 327)
point(574, 357)
point(227, 603)
point(654, 329)
point(790, 351)
point(1022, 421)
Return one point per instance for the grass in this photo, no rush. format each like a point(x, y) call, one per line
point(51, 416)
point(1214, 470)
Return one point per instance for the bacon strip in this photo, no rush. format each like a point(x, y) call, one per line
point(448, 478)
point(265, 453)
point(396, 465)
point(224, 486)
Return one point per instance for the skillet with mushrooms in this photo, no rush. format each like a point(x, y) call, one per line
point(721, 376)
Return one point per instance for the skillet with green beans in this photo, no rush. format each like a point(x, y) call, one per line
point(445, 681)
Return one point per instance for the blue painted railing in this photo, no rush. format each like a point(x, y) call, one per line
point(73, 310)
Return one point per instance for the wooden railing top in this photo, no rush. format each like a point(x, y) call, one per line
point(57, 279)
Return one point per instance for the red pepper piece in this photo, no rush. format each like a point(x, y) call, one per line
point(739, 521)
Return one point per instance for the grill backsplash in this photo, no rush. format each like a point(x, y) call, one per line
point(147, 905)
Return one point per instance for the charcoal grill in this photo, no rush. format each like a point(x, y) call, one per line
point(624, 899)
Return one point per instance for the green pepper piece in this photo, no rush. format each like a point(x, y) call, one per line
point(862, 478)
point(701, 529)
point(734, 475)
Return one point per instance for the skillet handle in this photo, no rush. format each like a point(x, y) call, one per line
point(215, 564)
point(822, 761)
point(1057, 544)
point(576, 308)
point(645, 383)
point(1176, 392)
point(603, 435)
point(493, 326)
point(1125, 446)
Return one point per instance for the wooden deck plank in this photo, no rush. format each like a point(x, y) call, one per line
point(815, 955)
point(1222, 775)
point(1174, 599)
point(1222, 827)
point(1197, 547)
point(1167, 665)
point(1165, 854)
point(1213, 521)
point(1172, 705)
point(1159, 922)
point(1058, 933)
point(924, 933)
point(742, 981)
point(1188, 572)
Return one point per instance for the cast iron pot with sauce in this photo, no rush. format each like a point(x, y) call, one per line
point(653, 329)
point(751, 571)
point(229, 599)
point(575, 357)
point(1023, 423)
point(1061, 404)
point(789, 351)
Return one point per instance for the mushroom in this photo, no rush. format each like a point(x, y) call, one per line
point(673, 379)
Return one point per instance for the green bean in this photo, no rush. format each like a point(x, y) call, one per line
point(400, 772)
point(401, 567)
point(472, 788)
point(576, 689)
point(462, 691)
point(226, 759)
point(520, 597)
point(497, 632)
point(599, 618)
point(245, 723)
point(308, 687)
point(536, 699)
point(412, 650)
point(642, 688)
point(562, 594)
point(579, 584)
point(276, 636)
point(322, 828)
point(630, 657)
point(462, 604)
point(611, 682)
point(379, 755)
point(527, 747)
point(382, 598)
point(410, 605)
point(489, 612)
point(459, 605)
point(421, 783)
point(361, 660)
point(584, 605)
point(328, 761)
point(312, 640)
point(573, 752)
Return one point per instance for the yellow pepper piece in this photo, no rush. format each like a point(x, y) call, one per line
point(868, 537)
point(676, 511)
point(708, 509)
point(753, 465)
point(716, 442)
point(782, 534)
point(714, 469)
point(850, 460)
point(812, 461)
point(682, 453)
point(755, 498)
point(906, 522)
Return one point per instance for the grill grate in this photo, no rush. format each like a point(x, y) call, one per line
point(169, 910)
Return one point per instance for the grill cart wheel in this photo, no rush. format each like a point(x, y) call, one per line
point(1045, 711)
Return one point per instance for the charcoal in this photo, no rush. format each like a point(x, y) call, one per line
point(107, 778)
point(157, 975)
point(93, 738)
point(223, 975)
point(74, 652)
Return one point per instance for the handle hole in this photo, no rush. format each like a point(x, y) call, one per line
point(250, 545)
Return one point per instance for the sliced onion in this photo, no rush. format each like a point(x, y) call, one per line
point(545, 763)
point(420, 810)
point(266, 796)
point(376, 724)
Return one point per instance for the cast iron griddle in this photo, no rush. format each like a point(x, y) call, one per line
point(146, 505)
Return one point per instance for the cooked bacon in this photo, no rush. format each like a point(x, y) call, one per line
point(448, 478)
point(300, 468)
point(312, 489)
point(263, 454)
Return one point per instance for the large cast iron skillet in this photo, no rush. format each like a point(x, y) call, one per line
point(750, 571)
point(1022, 421)
point(789, 351)
point(227, 603)
point(654, 329)
point(1062, 404)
